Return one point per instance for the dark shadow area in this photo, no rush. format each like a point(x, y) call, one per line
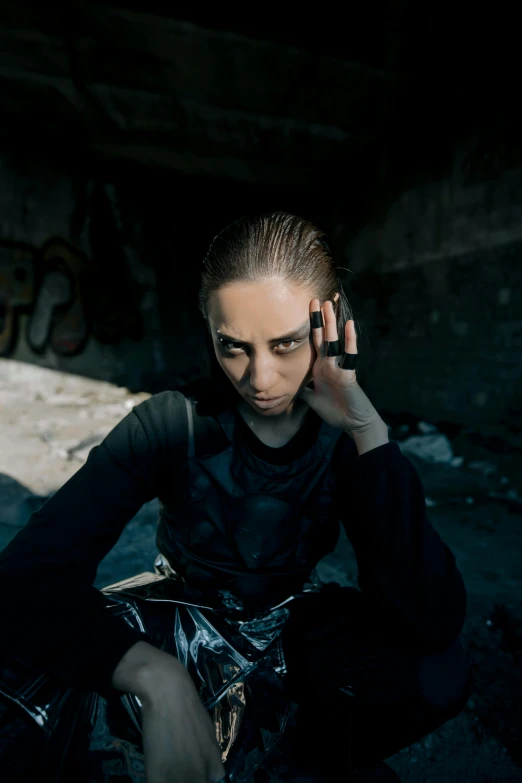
point(135, 551)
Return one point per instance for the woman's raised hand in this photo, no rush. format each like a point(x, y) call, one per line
point(337, 397)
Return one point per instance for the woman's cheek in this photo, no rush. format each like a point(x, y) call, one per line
point(233, 369)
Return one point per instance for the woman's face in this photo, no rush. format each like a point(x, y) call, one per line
point(261, 336)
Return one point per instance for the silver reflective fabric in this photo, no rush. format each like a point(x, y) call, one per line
point(236, 665)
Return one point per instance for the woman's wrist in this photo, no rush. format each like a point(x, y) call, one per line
point(372, 437)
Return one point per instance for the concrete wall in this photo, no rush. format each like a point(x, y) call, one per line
point(39, 202)
point(438, 285)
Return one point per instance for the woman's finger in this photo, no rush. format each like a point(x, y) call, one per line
point(350, 346)
point(350, 337)
point(317, 324)
point(330, 326)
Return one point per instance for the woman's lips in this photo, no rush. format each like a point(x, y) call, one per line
point(265, 404)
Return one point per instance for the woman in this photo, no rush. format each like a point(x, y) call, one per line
point(303, 448)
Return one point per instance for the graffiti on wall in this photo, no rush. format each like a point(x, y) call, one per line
point(16, 291)
point(67, 299)
point(58, 314)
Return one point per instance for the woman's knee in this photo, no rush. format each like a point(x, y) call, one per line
point(444, 678)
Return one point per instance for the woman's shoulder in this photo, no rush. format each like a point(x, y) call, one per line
point(161, 407)
point(169, 416)
point(163, 417)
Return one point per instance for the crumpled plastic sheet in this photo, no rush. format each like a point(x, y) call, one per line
point(236, 665)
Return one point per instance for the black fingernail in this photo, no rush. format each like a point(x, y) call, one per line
point(317, 319)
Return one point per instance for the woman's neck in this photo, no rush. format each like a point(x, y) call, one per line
point(284, 425)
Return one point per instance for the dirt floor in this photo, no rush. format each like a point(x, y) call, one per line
point(49, 421)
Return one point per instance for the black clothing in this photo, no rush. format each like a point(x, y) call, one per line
point(360, 689)
point(302, 440)
point(405, 570)
point(345, 666)
point(232, 521)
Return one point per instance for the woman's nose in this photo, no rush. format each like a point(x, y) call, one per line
point(262, 374)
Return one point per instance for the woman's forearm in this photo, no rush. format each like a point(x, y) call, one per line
point(403, 562)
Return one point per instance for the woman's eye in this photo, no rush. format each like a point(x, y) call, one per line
point(227, 345)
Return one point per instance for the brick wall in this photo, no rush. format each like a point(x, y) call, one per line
point(438, 292)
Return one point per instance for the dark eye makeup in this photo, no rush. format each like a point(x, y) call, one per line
point(298, 336)
point(223, 342)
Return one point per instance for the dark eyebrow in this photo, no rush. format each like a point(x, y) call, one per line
point(301, 331)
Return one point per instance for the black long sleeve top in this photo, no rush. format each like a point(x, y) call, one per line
point(55, 619)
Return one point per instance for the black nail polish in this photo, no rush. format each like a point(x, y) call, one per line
point(317, 319)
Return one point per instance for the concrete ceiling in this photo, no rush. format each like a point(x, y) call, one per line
point(203, 93)
point(241, 95)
